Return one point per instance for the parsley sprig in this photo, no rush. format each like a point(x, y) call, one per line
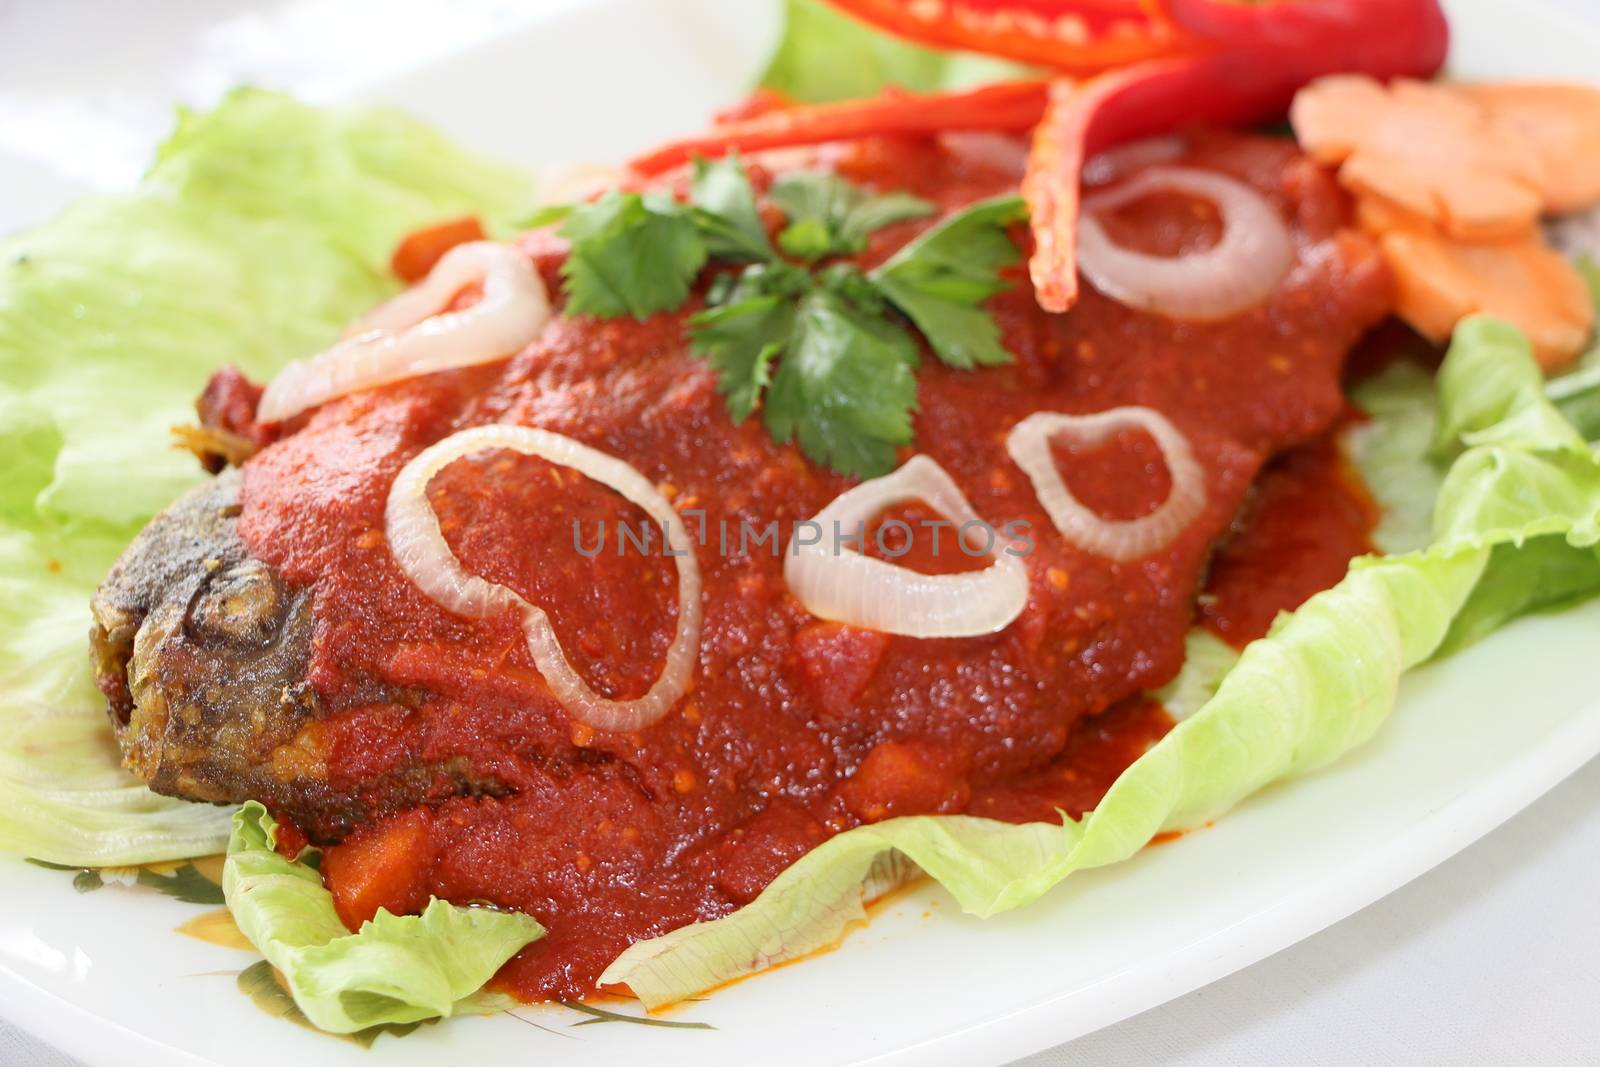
point(822, 349)
point(829, 216)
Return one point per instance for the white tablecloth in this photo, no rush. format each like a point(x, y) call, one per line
point(1491, 958)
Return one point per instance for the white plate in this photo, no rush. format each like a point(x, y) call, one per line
point(103, 976)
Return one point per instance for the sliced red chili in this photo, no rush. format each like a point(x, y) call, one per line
point(1355, 27)
point(761, 102)
point(1075, 36)
point(1006, 106)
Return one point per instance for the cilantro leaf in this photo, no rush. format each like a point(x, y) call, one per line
point(726, 210)
point(814, 195)
point(844, 387)
point(740, 341)
point(876, 212)
point(813, 348)
point(745, 329)
point(630, 256)
point(829, 216)
point(939, 281)
point(808, 239)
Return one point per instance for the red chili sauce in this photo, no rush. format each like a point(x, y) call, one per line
point(795, 729)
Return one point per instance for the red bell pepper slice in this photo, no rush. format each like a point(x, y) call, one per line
point(1006, 106)
point(1244, 83)
point(1071, 36)
point(1353, 26)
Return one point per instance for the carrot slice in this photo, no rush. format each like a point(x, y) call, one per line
point(1429, 149)
point(1439, 281)
point(421, 249)
point(1562, 122)
point(380, 866)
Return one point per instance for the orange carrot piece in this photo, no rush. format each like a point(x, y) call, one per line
point(1429, 149)
point(1439, 281)
point(1562, 122)
point(417, 253)
point(381, 866)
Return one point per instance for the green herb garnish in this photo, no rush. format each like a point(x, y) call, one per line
point(630, 256)
point(829, 216)
point(822, 350)
point(939, 281)
point(725, 211)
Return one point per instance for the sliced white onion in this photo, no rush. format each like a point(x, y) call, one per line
point(1117, 163)
point(568, 183)
point(846, 586)
point(421, 551)
point(1029, 445)
point(1003, 152)
point(1240, 271)
point(408, 336)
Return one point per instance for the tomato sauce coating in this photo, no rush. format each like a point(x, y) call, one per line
point(795, 728)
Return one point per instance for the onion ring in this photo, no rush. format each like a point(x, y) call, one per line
point(1237, 273)
point(413, 335)
point(419, 547)
point(1126, 159)
point(859, 590)
point(1029, 445)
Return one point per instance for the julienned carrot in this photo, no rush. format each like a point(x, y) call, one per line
point(1006, 106)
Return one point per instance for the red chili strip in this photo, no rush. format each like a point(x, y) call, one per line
point(1006, 106)
point(1071, 36)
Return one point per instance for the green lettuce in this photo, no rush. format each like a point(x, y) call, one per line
point(825, 55)
point(1207, 659)
point(397, 969)
point(1525, 487)
point(1393, 450)
point(262, 228)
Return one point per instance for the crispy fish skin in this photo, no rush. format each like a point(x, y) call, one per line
point(201, 652)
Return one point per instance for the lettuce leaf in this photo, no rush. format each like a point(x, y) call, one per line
point(1393, 450)
point(1524, 495)
point(262, 228)
point(825, 55)
point(397, 969)
point(1207, 659)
